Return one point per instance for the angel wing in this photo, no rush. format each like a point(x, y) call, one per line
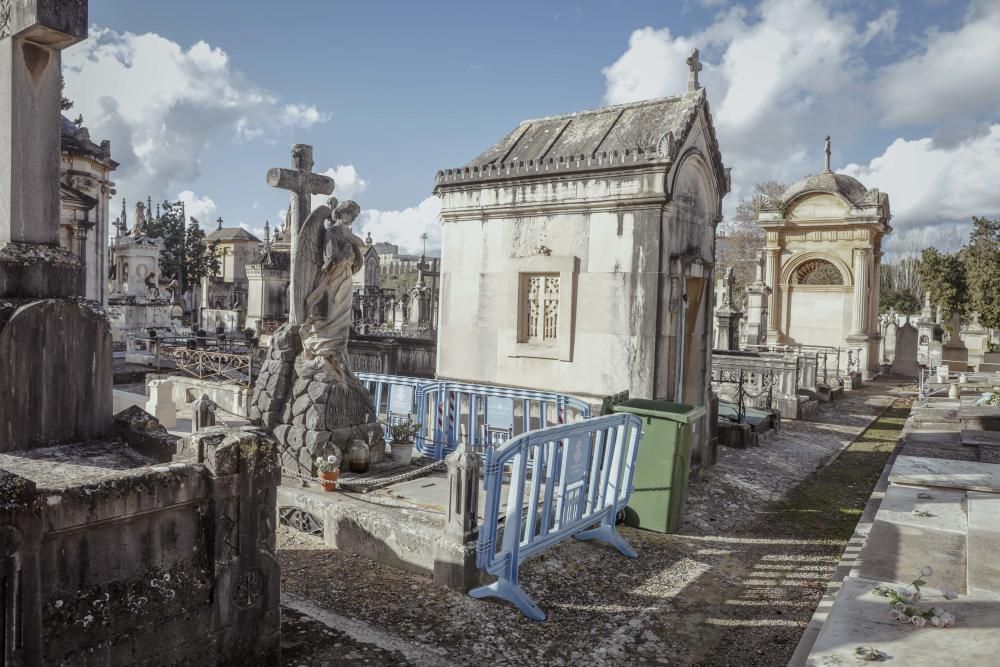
point(308, 259)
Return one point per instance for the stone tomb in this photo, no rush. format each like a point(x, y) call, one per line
point(109, 552)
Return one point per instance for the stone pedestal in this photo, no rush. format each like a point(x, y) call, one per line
point(161, 403)
point(311, 414)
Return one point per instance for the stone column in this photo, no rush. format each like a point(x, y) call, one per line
point(455, 554)
point(861, 288)
point(244, 472)
point(772, 270)
point(32, 35)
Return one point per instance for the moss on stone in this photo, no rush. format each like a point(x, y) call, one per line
point(829, 503)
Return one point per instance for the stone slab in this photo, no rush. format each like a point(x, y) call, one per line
point(860, 618)
point(981, 438)
point(955, 452)
point(980, 418)
point(916, 527)
point(984, 542)
point(933, 437)
point(68, 466)
point(925, 471)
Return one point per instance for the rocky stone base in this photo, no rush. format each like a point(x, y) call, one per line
point(311, 413)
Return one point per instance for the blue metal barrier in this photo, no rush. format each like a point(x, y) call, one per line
point(493, 414)
point(581, 474)
point(398, 399)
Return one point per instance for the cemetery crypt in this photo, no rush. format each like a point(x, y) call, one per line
point(578, 252)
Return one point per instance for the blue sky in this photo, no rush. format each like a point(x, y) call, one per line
point(201, 98)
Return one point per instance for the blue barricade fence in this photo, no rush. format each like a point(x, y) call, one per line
point(582, 474)
point(398, 398)
point(490, 414)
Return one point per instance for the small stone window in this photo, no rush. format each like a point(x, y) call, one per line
point(817, 272)
point(540, 308)
point(541, 311)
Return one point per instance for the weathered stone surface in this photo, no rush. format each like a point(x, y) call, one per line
point(310, 414)
point(923, 471)
point(142, 432)
point(913, 528)
point(984, 542)
point(53, 388)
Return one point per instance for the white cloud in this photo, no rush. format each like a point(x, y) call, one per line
point(162, 106)
point(348, 184)
point(955, 73)
point(404, 227)
point(776, 88)
point(935, 190)
point(201, 208)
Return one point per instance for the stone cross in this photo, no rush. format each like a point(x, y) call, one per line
point(32, 35)
point(303, 184)
point(826, 152)
point(694, 65)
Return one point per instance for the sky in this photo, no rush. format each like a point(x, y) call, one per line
point(200, 98)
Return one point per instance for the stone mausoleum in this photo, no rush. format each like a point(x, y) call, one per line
point(823, 251)
point(578, 252)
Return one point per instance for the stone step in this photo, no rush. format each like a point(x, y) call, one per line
point(984, 542)
point(913, 528)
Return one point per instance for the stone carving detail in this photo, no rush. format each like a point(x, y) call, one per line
point(300, 520)
point(249, 589)
point(818, 272)
point(229, 525)
point(4, 18)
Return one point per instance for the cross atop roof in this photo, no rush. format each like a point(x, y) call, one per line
point(694, 65)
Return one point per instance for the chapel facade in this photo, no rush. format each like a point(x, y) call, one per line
point(578, 253)
point(823, 254)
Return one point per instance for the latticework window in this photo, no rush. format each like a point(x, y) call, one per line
point(541, 307)
point(817, 272)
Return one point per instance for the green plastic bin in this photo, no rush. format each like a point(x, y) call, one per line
point(663, 463)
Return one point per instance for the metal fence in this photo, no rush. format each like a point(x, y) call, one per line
point(204, 357)
point(757, 384)
point(582, 474)
point(490, 414)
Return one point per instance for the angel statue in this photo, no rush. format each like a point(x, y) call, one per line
point(328, 254)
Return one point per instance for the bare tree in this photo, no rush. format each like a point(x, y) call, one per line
point(741, 239)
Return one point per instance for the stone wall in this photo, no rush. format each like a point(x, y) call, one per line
point(393, 356)
point(114, 556)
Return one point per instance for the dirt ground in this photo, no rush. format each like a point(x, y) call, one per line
point(764, 532)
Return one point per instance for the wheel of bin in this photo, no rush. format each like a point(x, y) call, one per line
point(620, 517)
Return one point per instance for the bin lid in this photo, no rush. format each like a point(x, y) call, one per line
point(678, 412)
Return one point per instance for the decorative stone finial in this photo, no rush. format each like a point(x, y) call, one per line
point(267, 232)
point(694, 65)
point(368, 239)
point(826, 160)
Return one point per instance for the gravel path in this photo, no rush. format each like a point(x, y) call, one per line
point(734, 587)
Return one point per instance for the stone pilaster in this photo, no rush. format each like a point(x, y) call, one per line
point(772, 270)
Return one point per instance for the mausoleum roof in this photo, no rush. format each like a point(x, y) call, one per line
point(846, 186)
point(77, 140)
point(231, 234)
point(617, 136)
point(274, 259)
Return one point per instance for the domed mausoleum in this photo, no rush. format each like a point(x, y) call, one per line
point(824, 247)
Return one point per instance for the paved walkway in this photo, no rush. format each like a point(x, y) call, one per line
point(736, 586)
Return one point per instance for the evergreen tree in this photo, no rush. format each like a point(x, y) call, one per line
point(943, 277)
point(981, 259)
point(201, 257)
point(169, 227)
